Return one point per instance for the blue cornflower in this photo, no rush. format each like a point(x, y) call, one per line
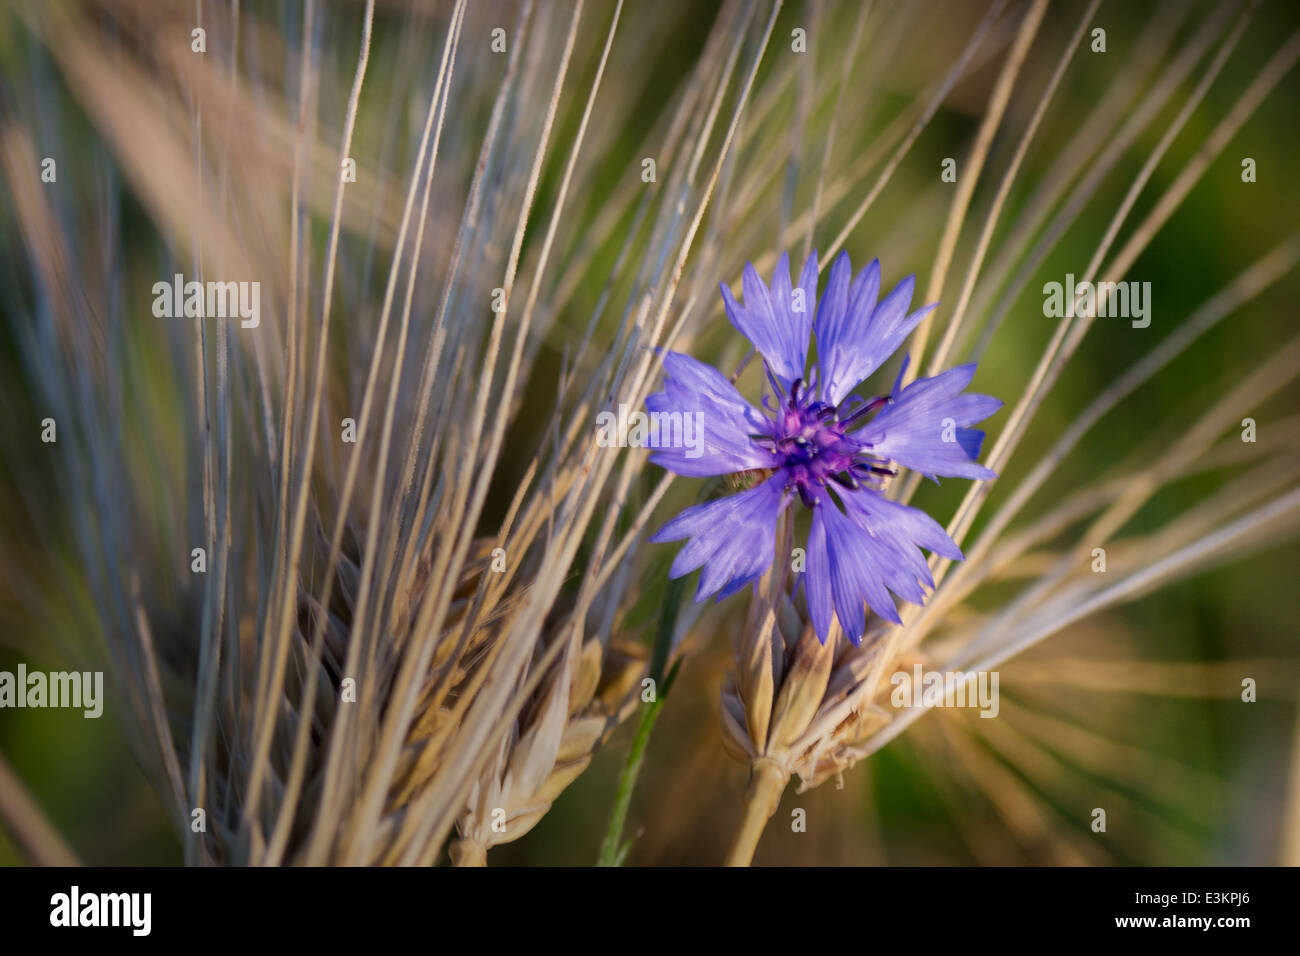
point(831, 451)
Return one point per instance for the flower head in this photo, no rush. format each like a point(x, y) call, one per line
point(820, 445)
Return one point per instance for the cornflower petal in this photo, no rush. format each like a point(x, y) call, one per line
point(769, 317)
point(855, 336)
point(724, 419)
point(923, 426)
point(732, 538)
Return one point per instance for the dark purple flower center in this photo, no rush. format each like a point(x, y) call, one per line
point(810, 436)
